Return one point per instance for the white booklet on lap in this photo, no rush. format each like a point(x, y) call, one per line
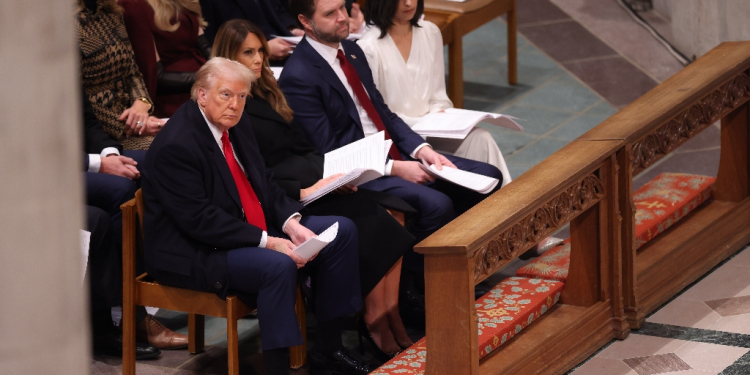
point(309, 248)
point(359, 162)
point(469, 180)
point(457, 123)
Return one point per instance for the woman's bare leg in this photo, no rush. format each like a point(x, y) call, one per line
point(377, 321)
point(390, 295)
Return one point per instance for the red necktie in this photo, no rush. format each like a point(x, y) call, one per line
point(250, 203)
point(364, 100)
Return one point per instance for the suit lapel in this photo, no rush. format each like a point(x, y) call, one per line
point(215, 153)
point(326, 72)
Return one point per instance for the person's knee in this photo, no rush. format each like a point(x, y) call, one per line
point(438, 207)
point(347, 229)
point(122, 189)
point(282, 269)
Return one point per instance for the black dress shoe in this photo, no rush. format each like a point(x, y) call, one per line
point(340, 362)
point(110, 343)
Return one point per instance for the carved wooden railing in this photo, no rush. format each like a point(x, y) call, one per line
point(715, 87)
point(576, 185)
point(586, 184)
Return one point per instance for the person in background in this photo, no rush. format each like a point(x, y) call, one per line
point(110, 76)
point(405, 54)
point(169, 46)
point(298, 169)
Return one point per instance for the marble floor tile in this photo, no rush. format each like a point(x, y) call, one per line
point(507, 140)
point(735, 323)
point(577, 126)
point(537, 151)
point(656, 364)
point(742, 259)
point(610, 23)
point(563, 94)
point(538, 120)
point(709, 357)
point(686, 313)
point(599, 366)
point(566, 40)
point(725, 282)
point(640, 346)
point(730, 306)
point(615, 79)
point(536, 11)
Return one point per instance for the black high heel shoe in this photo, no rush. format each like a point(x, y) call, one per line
point(362, 331)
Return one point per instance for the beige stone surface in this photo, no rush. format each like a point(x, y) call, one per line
point(43, 309)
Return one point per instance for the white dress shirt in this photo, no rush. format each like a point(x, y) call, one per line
point(368, 127)
point(95, 161)
point(217, 137)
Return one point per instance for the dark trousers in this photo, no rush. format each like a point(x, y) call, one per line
point(104, 264)
point(437, 203)
point(268, 279)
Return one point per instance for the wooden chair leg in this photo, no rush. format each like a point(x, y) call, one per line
point(196, 333)
point(298, 354)
point(232, 345)
point(128, 336)
point(456, 72)
point(512, 47)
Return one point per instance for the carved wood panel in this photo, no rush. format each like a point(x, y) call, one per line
point(533, 228)
point(690, 122)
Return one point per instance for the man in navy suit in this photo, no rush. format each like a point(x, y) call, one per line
point(333, 112)
point(215, 221)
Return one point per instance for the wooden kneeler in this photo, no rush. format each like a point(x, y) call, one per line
point(140, 291)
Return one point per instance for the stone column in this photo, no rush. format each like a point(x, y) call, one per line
point(43, 309)
point(700, 25)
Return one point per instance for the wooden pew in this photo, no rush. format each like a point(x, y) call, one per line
point(576, 185)
point(715, 87)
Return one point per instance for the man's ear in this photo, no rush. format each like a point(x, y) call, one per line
point(202, 99)
point(305, 23)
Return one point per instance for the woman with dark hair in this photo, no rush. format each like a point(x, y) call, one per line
point(110, 77)
point(169, 47)
point(298, 169)
point(405, 55)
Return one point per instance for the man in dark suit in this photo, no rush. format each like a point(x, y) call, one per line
point(271, 16)
point(329, 85)
point(111, 180)
point(215, 221)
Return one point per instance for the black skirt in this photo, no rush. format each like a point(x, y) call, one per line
point(382, 240)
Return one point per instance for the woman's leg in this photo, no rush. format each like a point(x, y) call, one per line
point(390, 296)
point(377, 321)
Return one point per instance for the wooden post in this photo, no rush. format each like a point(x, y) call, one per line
point(456, 70)
point(233, 359)
point(733, 180)
point(128, 287)
point(196, 333)
point(582, 287)
point(298, 354)
point(451, 318)
point(512, 46)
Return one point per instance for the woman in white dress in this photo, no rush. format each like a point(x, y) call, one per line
point(405, 55)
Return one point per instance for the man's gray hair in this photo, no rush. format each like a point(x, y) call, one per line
point(220, 67)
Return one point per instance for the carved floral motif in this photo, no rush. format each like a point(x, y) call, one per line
point(536, 226)
point(688, 123)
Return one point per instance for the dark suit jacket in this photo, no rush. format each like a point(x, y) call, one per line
point(95, 139)
point(324, 108)
point(271, 16)
point(193, 209)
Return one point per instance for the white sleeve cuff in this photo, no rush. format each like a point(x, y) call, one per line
point(95, 163)
point(416, 150)
point(295, 215)
point(263, 239)
point(388, 167)
point(109, 151)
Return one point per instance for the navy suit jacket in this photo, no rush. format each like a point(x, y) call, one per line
point(271, 16)
point(193, 209)
point(324, 108)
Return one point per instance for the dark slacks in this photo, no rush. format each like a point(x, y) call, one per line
point(268, 279)
point(437, 202)
point(104, 264)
